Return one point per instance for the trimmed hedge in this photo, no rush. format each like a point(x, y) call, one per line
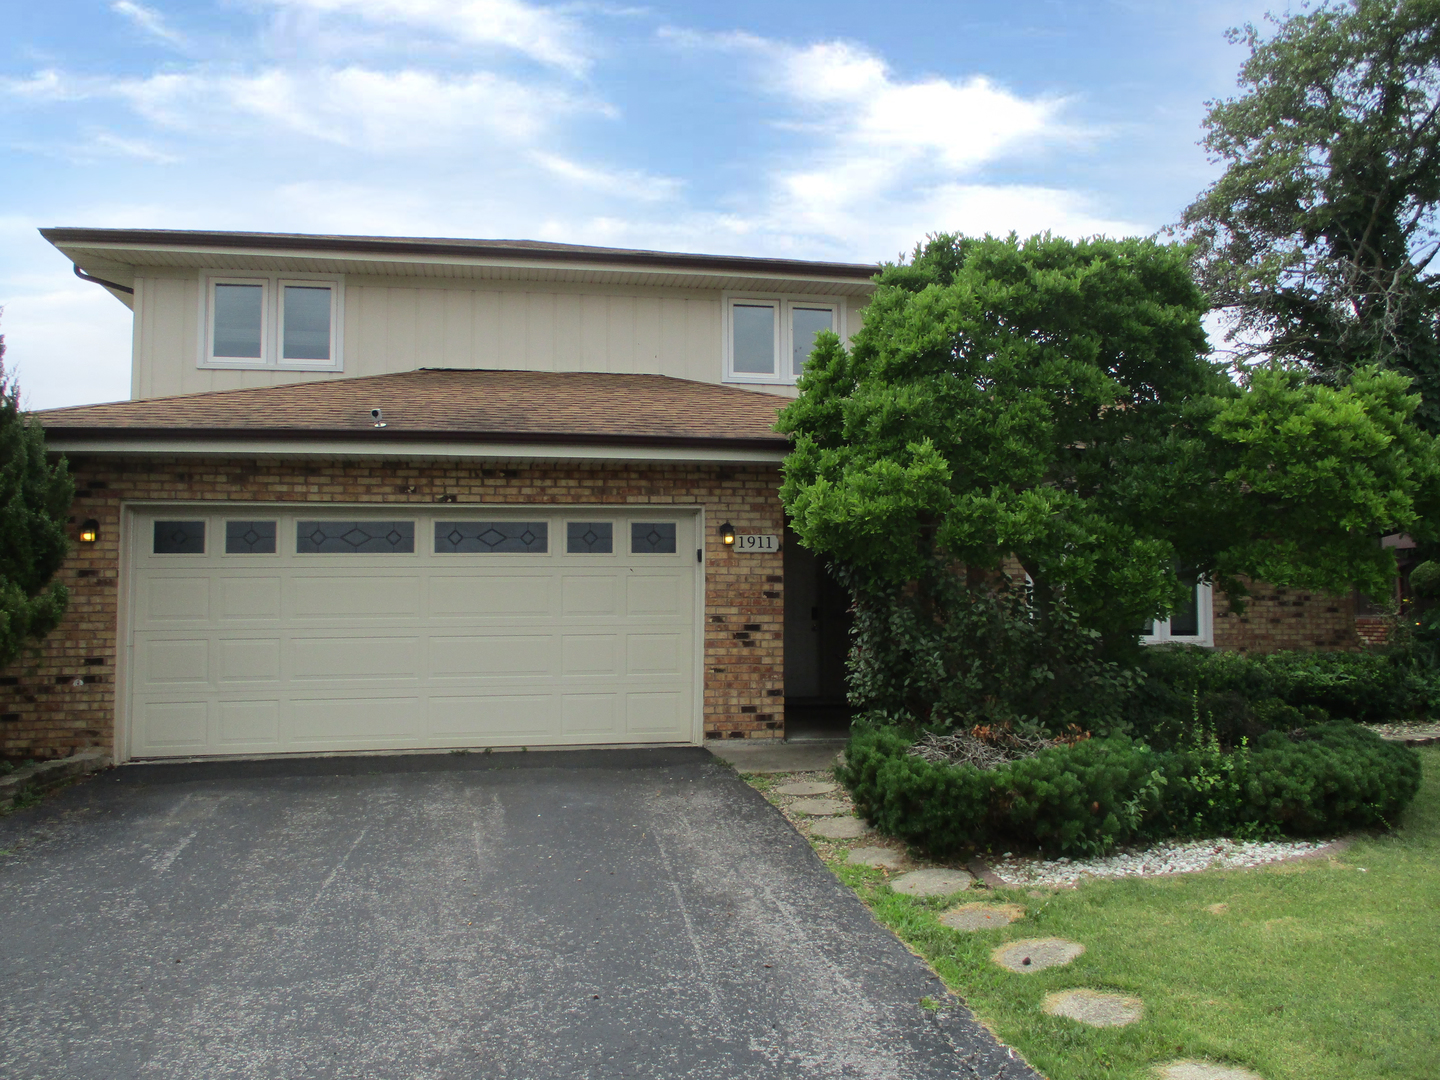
point(1091, 796)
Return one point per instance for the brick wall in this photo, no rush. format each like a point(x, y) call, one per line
point(61, 698)
point(1277, 619)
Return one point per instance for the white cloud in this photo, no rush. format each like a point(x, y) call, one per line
point(377, 111)
point(546, 35)
point(67, 344)
point(622, 183)
point(149, 20)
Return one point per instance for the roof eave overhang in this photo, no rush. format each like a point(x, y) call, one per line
point(391, 443)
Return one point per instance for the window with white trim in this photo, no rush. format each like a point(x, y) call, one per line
point(1192, 623)
point(271, 321)
point(768, 339)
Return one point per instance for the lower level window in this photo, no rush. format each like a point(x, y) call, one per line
point(1190, 623)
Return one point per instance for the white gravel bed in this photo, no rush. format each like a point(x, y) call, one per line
point(1169, 858)
point(1406, 730)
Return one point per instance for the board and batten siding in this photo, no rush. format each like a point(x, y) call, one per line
point(396, 325)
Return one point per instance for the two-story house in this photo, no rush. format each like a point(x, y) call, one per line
point(383, 494)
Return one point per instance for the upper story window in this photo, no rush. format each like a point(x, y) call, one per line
point(768, 339)
point(1191, 624)
point(270, 320)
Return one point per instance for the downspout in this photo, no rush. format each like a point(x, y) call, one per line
point(83, 276)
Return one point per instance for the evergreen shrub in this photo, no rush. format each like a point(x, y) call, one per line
point(1088, 797)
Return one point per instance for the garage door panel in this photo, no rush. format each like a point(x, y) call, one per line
point(590, 654)
point(473, 596)
point(491, 656)
point(343, 722)
point(249, 598)
point(352, 596)
point(656, 594)
point(351, 657)
point(240, 653)
point(520, 716)
point(249, 725)
point(248, 660)
point(165, 662)
point(656, 713)
point(174, 599)
point(174, 727)
point(656, 654)
point(588, 594)
point(589, 714)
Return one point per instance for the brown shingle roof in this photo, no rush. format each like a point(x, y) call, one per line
point(460, 405)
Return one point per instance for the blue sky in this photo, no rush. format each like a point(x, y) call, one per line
point(831, 131)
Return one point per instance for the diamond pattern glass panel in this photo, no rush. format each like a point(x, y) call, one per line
point(357, 537)
point(249, 538)
point(463, 536)
point(179, 538)
point(589, 537)
point(652, 537)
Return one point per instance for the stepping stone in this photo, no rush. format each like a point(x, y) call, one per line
point(932, 882)
point(805, 787)
point(879, 857)
point(840, 828)
point(817, 807)
point(1036, 954)
point(1094, 1008)
point(982, 916)
point(1204, 1070)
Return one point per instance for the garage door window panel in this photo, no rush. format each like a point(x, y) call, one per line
point(652, 538)
point(355, 537)
point(249, 538)
point(179, 538)
point(589, 537)
point(492, 537)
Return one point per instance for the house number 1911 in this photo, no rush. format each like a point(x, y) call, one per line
point(752, 543)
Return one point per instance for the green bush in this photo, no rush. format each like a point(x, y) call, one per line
point(1089, 797)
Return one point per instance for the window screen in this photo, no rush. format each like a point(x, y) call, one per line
point(805, 323)
point(238, 321)
point(305, 323)
point(753, 346)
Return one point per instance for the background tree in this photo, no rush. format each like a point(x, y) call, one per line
point(35, 498)
point(1320, 241)
point(1052, 402)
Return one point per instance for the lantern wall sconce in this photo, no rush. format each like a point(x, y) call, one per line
point(89, 531)
point(727, 534)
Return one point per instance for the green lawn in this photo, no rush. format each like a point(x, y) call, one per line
point(1301, 971)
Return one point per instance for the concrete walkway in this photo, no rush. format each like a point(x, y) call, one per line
point(576, 914)
point(777, 755)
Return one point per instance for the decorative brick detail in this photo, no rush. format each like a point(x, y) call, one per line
point(60, 698)
point(1277, 619)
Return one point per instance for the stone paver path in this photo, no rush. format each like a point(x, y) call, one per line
point(817, 807)
point(1094, 1008)
point(982, 916)
point(841, 828)
point(1205, 1070)
point(805, 787)
point(1036, 954)
point(882, 857)
point(932, 882)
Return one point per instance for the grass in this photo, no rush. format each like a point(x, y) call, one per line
point(1316, 969)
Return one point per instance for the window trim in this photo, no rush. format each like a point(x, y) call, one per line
point(1205, 612)
point(784, 306)
point(272, 321)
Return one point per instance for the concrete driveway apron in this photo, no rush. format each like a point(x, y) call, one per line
point(560, 914)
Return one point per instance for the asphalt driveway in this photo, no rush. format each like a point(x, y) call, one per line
point(562, 914)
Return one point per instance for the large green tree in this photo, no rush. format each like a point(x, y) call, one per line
point(1052, 402)
point(35, 498)
point(1320, 240)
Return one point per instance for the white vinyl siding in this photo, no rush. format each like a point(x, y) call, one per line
point(383, 640)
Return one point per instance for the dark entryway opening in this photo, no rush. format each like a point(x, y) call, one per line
point(817, 640)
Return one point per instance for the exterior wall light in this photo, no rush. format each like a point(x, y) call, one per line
point(727, 534)
point(89, 531)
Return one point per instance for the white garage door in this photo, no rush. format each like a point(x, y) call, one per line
point(255, 632)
